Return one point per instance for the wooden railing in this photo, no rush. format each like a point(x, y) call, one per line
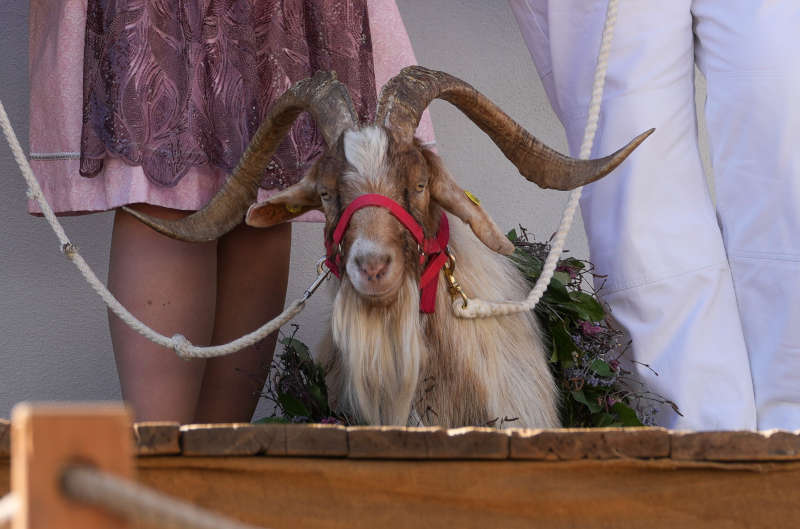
point(330, 476)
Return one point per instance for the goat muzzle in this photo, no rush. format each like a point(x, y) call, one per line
point(432, 251)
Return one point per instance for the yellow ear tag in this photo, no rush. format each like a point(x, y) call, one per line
point(293, 209)
point(473, 198)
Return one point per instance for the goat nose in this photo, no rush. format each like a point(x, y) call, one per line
point(373, 266)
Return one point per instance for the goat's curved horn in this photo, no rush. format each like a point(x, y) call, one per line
point(328, 102)
point(408, 94)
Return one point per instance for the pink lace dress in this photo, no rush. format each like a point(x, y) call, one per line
point(145, 101)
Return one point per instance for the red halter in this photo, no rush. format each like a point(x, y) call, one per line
point(431, 249)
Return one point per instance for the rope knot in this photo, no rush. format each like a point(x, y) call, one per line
point(69, 250)
point(181, 346)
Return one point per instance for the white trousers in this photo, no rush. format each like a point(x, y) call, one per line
point(710, 296)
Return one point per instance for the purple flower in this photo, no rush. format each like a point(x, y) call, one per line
point(590, 329)
point(568, 269)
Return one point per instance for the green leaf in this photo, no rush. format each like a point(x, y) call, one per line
point(571, 262)
point(530, 266)
point(556, 293)
point(512, 236)
point(563, 346)
point(601, 368)
point(292, 406)
point(605, 420)
point(319, 398)
point(587, 307)
point(626, 414)
point(294, 343)
point(581, 397)
point(300, 348)
point(561, 277)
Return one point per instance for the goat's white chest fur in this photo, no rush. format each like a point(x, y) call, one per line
point(391, 364)
point(394, 365)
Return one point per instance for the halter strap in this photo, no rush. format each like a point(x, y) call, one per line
point(432, 250)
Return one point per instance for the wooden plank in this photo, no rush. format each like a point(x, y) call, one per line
point(236, 439)
point(621, 493)
point(595, 443)
point(5, 438)
point(467, 443)
point(346, 493)
point(157, 438)
point(320, 440)
point(389, 442)
point(46, 439)
point(768, 445)
point(246, 439)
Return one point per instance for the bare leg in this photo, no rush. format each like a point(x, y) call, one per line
point(170, 285)
point(253, 268)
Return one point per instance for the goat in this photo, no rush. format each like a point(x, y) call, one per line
point(391, 363)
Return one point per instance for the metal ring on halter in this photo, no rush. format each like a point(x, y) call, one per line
point(322, 275)
point(320, 265)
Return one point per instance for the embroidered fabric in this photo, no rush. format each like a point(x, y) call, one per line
point(169, 85)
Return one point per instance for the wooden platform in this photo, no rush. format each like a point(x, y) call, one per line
point(309, 476)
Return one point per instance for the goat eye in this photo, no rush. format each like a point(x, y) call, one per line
point(420, 187)
point(324, 195)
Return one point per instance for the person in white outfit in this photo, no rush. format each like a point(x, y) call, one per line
point(710, 296)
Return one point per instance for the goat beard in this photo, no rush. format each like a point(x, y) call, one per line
point(381, 348)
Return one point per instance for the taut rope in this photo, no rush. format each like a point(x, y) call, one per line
point(135, 502)
point(178, 342)
point(478, 308)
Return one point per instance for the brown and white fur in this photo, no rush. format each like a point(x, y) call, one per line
point(389, 363)
point(392, 364)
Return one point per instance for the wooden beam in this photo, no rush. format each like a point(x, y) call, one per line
point(590, 443)
point(770, 445)
point(331, 476)
point(392, 442)
point(46, 439)
point(286, 492)
point(157, 438)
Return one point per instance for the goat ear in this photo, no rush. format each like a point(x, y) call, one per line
point(454, 199)
point(286, 205)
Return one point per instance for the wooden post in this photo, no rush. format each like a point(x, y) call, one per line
point(46, 438)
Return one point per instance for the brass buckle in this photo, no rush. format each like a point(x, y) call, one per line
point(448, 269)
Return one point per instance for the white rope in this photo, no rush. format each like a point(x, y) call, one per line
point(177, 343)
point(135, 502)
point(478, 308)
point(9, 505)
point(475, 309)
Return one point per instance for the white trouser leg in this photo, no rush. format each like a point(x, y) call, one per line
point(750, 54)
point(651, 224)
